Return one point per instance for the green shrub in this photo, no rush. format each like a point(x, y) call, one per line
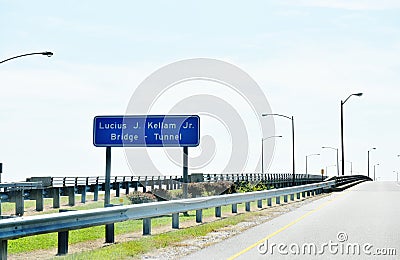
point(196, 189)
point(161, 194)
point(245, 186)
point(218, 188)
point(138, 197)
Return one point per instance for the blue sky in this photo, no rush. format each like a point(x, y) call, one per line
point(306, 56)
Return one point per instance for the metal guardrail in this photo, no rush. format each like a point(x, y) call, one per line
point(54, 187)
point(63, 222)
point(21, 185)
point(91, 180)
point(343, 180)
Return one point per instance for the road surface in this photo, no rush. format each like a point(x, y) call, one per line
point(359, 223)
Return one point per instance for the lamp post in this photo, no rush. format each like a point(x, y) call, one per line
point(46, 53)
point(374, 170)
point(293, 165)
point(262, 150)
point(337, 156)
point(307, 158)
point(341, 124)
point(368, 158)
point(351, 167)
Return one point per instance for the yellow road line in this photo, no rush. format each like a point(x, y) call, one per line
point(285, 227)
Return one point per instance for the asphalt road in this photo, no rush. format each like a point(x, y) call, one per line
point(359, 223)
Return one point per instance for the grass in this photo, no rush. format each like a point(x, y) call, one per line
point(48, 241)
point(135, 248)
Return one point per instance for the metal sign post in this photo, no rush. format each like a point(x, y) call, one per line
point(185, 172)
point(144, 131)
point(107, 195)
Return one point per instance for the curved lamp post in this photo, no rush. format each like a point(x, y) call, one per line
point(46, 53)
point(341, 124)
point(368, 158)
point(262, 150)
point(337, 156)
point(291, 118)
point(307, 157)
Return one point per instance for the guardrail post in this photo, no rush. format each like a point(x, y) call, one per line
point(152, 183)
point(285, 198)
point(269, 202)
point(259, 204)
point(39, 199)
point(18, 197)
point(71, 195)
point(96, 192)
point(145, 184)
point(169, 183)
point(174, 184)
point(146, 226)
point(292, 197)
point(278, 200)
point(83, 194)
point(56, 198)
point(298, 195)
point(217, 212)
point(3, 249)
point(62, 243)
point(234, 208)
point(127, 184)
point(117, 189)
point(110, 238)
point(160, 182)
point(199, 215)
point(247, 206)
point(175, 220)
point(303, 194)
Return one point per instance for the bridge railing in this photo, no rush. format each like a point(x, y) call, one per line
point(64, 222)
point(54, 187)
point(346, 179)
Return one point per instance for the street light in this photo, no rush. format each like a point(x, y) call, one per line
point(293, 165)
point(262, 150)
point(351, 167)
point(307, 157)
point(341, 124)
point(368, 158)
point(374, 170)
point(46, 53)
point(337, 156)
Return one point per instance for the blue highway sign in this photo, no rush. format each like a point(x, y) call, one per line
point(146, 130)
